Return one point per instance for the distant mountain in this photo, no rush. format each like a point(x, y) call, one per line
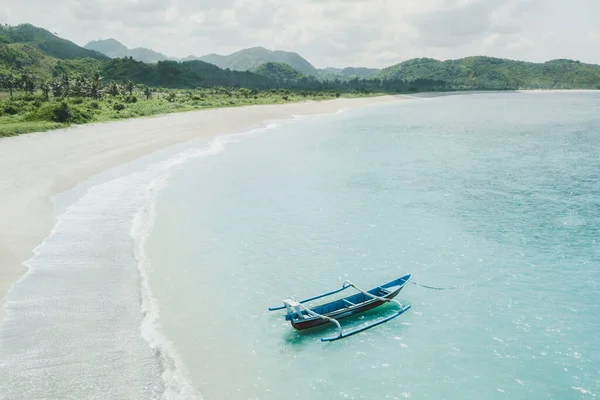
point(243, 60)
point(248, 59)
point(109, 47)
point(49, 44)
point(496, 73)
point(147, 55)
point(115, 49)
point(32, 50)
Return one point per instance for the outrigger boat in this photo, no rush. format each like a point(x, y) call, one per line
point(302, 317)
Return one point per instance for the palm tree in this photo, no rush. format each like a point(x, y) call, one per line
point(114, 89)
point(65, 84)
point(9, 82)
point(79, 86)
point(56, 87)
point(244, 92)
point(85, 86)
point(45, 87)
point(27, 83)
point(96, 86)
point(129, 87)
point(147, 92)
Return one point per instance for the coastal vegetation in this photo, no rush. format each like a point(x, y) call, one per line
point(80, 100)
point(49, 82)
point(487, 73)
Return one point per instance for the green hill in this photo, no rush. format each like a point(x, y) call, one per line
point(28, 49)
point(25, 49)
point(243, 60)
point(495, 73)
point(248, 59)
point(114, 49)
point(48, 43)
point(278, 72)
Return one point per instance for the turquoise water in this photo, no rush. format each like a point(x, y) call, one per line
point(494, 195)
point(497, 194)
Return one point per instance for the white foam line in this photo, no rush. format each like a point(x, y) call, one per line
point(36, 253)
point(177, 385)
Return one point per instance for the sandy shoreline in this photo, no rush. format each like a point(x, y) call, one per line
point(37, 166)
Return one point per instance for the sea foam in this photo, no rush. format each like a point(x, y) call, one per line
point(76, 304)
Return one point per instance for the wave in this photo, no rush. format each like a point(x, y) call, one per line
point(75, 252)
point(177, 384)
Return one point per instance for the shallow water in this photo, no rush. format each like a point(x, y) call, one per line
point(495, 196)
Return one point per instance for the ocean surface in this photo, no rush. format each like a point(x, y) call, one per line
point(156, 280)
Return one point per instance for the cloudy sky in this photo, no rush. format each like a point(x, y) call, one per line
point(338, 33)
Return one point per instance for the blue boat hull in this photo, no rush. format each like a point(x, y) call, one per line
point(350, 305)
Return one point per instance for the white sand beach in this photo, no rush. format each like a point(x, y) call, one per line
point(34, 167)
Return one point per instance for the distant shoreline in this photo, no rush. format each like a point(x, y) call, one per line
point(9, 128)
point(556, 90)
point(458, 92)
point(32, 113)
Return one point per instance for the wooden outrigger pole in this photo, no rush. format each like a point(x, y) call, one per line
point(345, 286)
point(341, 334)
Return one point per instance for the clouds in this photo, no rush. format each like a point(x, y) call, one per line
point(371, 33)
point(453, 25)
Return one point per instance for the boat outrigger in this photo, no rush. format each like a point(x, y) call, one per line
point(302, 317)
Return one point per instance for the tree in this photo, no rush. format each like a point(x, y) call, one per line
point(245, 92)
point(129, 87)
point(45, 88)
point(56, 88)
point(65, 84)
point(96, 86)
point(80, 86)
point(226, 91)
point(9, 82)
point(27, 83)
point(147, 92)
point(114, 89)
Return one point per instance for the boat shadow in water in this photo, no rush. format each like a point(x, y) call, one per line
point(301, 337)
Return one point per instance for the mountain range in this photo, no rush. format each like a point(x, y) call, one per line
point(28, 49)
point(242, 60)
point(115, 49)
